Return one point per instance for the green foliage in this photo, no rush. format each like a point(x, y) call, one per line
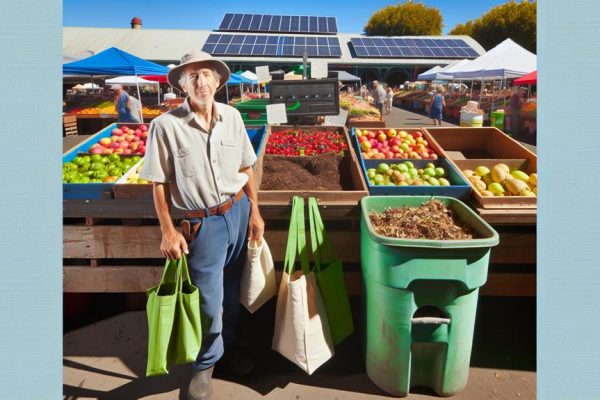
point(515, 20)
point(405, 19)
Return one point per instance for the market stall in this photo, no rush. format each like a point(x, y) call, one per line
point(111, 243)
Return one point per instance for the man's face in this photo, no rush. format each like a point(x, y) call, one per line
point(200, 84)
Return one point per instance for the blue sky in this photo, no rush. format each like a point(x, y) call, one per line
point(187, 14)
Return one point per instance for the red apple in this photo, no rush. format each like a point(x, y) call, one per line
point(370, 135)
point(129, 137)
point(117, 132)
point(433, 156)
point(143, 128)
point(124, 145)
point(145, 134)
point(137, 132)
point(389, 154)
point(114, 145)
point(127, 151)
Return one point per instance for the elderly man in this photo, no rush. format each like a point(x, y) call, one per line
point(378, 96)
point(200, 159)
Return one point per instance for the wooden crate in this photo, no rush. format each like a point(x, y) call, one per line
point(69, 124)
point(526, 165)
point(357, 123)
point(327, 198)
point(477, 143)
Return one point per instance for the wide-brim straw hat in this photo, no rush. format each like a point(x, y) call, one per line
point(202, 59)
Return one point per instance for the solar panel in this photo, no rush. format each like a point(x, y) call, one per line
point(278, 23)
point(272, 45)
point(394, 47)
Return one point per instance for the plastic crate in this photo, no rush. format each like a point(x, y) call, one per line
point(421, 300)
point(257, 136)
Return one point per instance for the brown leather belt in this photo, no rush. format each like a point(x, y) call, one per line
point(216, 210)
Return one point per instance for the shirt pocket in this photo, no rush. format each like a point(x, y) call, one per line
point(231, 153)
point(186, 162)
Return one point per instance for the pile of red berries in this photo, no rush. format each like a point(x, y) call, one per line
point(298, 142)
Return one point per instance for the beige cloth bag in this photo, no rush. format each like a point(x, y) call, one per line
point(302, 332)
point(258, 277)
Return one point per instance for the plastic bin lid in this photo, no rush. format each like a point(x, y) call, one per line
point(489, 237)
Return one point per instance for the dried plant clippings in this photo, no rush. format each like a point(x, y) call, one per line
point(431, 220)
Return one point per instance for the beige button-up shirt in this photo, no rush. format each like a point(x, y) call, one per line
point(202, 168)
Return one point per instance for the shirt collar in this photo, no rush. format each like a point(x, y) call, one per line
point(190, 115)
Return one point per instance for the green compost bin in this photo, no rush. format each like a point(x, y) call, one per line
point(497, 119)
point(254, 111)
point(420, 300)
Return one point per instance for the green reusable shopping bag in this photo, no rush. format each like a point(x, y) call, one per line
point(187, 318)
point(173, 310)
point(160, 310)
point(330, 277)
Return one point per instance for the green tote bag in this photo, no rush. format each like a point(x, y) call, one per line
point(173, 311)
point(330, 277)
point(160, 310)
point(187, 318)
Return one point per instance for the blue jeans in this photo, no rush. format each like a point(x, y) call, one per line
point(215, 262)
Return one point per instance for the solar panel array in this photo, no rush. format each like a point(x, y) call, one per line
point(412, 48)
point(278, 23)
point(272, 45)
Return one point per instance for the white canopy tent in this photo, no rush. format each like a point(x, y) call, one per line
point(505, 61)
point(447, 73)
point(132, 80)
point(430, 74)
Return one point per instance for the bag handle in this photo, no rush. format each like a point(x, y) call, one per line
point(167, 275)
point(292, 241)
point(302, 250)
point(321, 244)
point(185, 271)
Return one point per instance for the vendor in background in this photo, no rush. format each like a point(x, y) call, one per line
point(516, 101)
point(123, 104)
point(437, 105)
point(389, 97)
point(378, 94)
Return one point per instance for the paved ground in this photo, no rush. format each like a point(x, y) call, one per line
point(106, 360)
point(401, 118)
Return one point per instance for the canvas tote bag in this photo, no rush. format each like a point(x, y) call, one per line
point(258, 283)
point(301, 328)
point(330, 277)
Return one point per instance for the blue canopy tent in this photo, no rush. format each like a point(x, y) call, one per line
point(114, 61)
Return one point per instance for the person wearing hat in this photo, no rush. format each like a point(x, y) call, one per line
point(127, 111)
point(199, 159)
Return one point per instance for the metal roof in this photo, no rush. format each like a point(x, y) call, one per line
point(168, 45)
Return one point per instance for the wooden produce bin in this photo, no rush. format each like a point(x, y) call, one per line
point(329, 198)
point(476, 143)
point(528, 166)
point(354, 122)
point(468, 148)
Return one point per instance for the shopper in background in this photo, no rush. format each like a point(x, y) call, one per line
point(123, 104)
point(364, 92)
point(199, 159)
point(378, 94)
point(437, 105)
point(135, 108)
point(389, 97)
point(516, 101)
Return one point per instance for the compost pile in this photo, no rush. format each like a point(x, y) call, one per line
point(431, 220)
point(317, 172)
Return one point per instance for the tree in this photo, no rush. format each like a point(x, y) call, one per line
point(406, 19)
point(514, 20)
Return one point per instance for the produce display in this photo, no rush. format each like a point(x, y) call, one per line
point(309, 158)
point(357, 106)
point(97, 168)
point(388, 144)
point(108, 107)
point(529, 109)
point(431, 220)
point(406, 174)
point(133, 177)
point(501, 181)
point(123, 140)
point(299, 142)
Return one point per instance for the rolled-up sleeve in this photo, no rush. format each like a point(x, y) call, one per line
point(157, 167)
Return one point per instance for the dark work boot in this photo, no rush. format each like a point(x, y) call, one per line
point(201, 385)
point(238, 360)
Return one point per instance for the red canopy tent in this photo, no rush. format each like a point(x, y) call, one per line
point(529, 79)
point(156, 78)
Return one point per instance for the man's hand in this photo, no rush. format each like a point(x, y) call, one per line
point(172, 245)
point(256, 225)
